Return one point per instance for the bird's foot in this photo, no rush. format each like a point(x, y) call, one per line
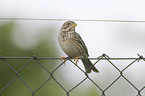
point(62, 59)
point(77, 59)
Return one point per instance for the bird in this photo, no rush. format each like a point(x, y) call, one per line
point(73, 45)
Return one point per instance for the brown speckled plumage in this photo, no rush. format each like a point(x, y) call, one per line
point(73, 45)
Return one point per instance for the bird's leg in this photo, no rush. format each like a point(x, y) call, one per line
point(62, 59)
point(77, 59)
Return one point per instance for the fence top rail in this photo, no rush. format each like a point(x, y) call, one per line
point(59, 58)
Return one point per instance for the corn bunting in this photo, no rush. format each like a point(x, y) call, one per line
point(73, 45)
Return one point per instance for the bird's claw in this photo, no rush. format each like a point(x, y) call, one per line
point(77, 59)
point(62, 59)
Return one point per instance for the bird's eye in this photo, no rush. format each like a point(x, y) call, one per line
point(68, 23)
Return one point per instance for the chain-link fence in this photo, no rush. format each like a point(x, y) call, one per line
point(51, 74)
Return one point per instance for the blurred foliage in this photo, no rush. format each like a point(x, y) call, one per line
point(33, 74)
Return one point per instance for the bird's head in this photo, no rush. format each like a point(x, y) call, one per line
point(68, 26)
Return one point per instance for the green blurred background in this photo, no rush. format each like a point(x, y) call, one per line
point(17, 42)
point(25, 38)
point(33, 74)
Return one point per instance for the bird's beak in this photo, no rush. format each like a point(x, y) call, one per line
point(74, 25)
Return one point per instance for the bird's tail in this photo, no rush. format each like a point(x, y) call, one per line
point(89, 66)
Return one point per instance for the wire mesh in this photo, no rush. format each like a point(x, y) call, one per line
point(52, 73)
point(87, 77)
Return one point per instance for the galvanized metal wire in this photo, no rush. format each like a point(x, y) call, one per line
point(87, 77)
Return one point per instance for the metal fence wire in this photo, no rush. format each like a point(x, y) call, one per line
point(52, 77)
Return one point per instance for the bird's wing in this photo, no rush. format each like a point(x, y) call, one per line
point(81, 42)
